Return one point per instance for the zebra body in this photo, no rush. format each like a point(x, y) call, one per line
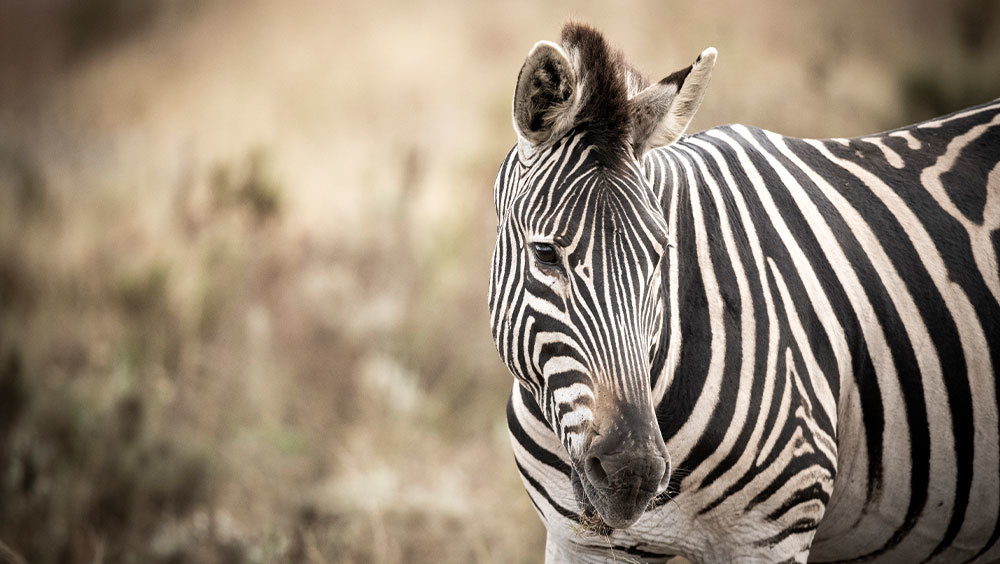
point(812, 327)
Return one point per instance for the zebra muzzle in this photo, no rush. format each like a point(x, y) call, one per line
point(625, 466)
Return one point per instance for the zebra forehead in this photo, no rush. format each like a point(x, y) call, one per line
point(587, 218)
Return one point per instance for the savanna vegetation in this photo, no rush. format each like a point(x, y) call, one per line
point(244, 252)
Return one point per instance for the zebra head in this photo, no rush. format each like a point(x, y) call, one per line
point(575, 296)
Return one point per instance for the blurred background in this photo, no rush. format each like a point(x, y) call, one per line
point(245, 246)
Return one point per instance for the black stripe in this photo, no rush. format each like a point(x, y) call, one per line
point(544, 493)
point(524, 439)
point(725, 407)
point(799, 527)
point(692, 367)
point(813, 492)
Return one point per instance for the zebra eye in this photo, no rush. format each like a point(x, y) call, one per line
point(545, 253)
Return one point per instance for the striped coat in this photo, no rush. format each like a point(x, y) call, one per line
point(811, 327)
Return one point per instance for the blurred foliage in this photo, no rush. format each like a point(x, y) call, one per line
point(152, 389)
point(943, 82)
point(95, 24)
point(78, 481)
point(931, 91)
point(254, 186)
point(90, 468)
point(26, 187)
point(976, 23)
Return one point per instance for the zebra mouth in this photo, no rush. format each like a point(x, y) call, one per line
point(590, 518)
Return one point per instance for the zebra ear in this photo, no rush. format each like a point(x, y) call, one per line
point(546, 94)
point(661, 113)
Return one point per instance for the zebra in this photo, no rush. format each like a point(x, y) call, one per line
point(735, 346)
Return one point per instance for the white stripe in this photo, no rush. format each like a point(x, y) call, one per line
point(767, 397)
point(892, 156)
point(574, 392)
point(748, 326)
point(981, 234)
point(666, 377)
point(576, 417)
point(814, 372)
point(939, 122)
point(687, 436)
point(912, 142)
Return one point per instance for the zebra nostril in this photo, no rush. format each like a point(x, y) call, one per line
point(664, 482)
point(596, 472)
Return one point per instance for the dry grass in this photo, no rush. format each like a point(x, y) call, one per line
point(244, 250)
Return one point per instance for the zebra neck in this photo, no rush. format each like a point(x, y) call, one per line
point(734, 369)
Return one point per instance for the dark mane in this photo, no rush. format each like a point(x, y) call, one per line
point(604, 73)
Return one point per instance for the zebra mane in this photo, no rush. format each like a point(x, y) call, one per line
point(606, 82)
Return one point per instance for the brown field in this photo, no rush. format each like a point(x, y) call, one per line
point(245, 247)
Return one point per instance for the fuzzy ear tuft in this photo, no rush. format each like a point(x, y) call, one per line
point(662, 112)
point(545, 98)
